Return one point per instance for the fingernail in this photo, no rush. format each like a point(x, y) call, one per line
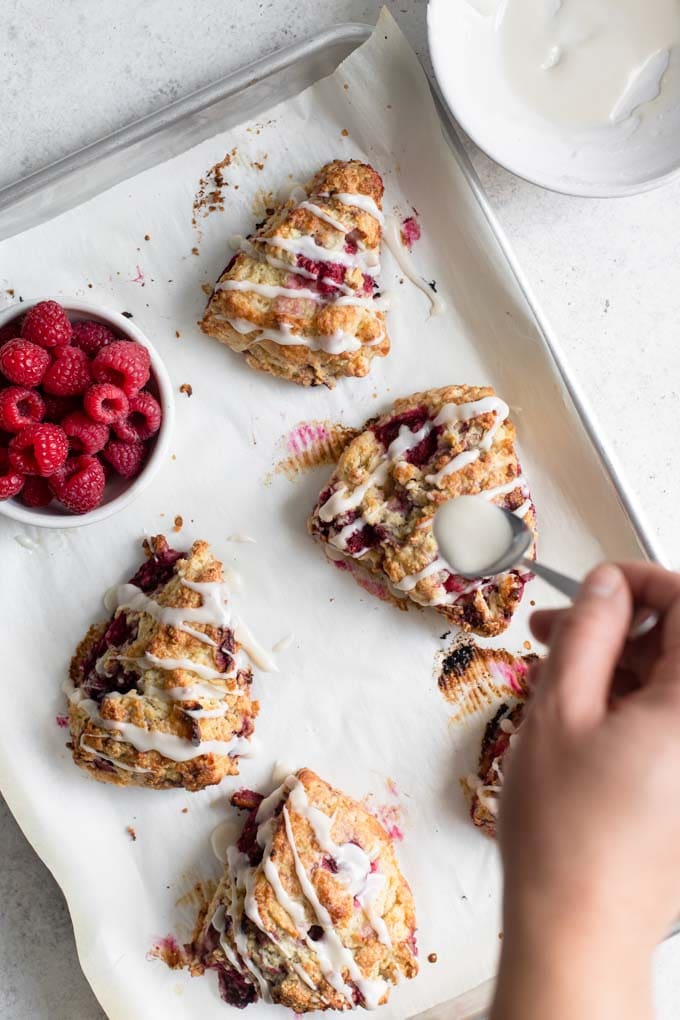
point(602, 582)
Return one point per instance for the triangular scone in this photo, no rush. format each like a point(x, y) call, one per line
point(300, 299)
point(375, 515)
point(313, 912)
point(159, 694)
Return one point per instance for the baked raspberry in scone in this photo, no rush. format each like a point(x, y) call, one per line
point(484, 789)
point(375, 516)
point(313, 912)
point(159, 694)
point(300, 299)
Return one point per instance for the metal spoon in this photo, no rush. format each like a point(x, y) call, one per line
point(520, 542)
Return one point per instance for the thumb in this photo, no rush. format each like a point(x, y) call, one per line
point(586, 644)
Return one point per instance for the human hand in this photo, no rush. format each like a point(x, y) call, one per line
point(590, 814)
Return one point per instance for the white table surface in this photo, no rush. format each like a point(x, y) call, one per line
point(607, 274)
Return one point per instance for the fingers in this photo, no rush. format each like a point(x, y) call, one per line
point(542, 622)
point(653, 587)
point(586, 643)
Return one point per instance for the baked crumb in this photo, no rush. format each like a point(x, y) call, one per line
point(186, 388)
point(344, 133)
point(131, 833)
point(195, 251)
point(207, 289)
point(178, 523)
point(147, 237)
point(177, 333)
point(432, 958)
point(185, 810)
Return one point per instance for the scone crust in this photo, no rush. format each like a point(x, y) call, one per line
point(397, 540)
point(280, 951)
point(131, 690)
point(296, 362)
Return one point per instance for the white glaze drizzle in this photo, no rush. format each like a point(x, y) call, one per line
point(392, 238)
point(357, 201)
point(323, 214)
point(169, 745)
point(457, 463)
point(107, 757)
point(352, 300)
point(283, 643)
point(367, 261)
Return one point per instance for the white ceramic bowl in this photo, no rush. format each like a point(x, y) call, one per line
point(119, 492)
point(622, 161)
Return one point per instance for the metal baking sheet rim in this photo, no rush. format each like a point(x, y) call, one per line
point(473, 1004)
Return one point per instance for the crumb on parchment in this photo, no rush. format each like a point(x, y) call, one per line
point(186, 388)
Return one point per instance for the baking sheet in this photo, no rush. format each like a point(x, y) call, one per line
point(355, 698)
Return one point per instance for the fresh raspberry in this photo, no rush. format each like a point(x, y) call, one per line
point(69, 373)
point(23, 362)
point(56, 408)
point(126, 459)
point(11, 482)
point(36, 492)
point(38, 450)
point(91, 337)
point(143, 420)
point(84, 435)
point(123, 363)
point(105, 403)
point(79, 485)
point(20, 407)
point(10, 331)
point(47, 325)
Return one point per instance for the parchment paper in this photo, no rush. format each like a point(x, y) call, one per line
point(355, 698)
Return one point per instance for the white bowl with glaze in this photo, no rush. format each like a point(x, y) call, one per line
point(623, 161)
point(119, 493)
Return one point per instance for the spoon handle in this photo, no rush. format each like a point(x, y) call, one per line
point(567, 585)
point(644, 620)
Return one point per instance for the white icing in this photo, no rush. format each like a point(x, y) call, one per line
point(256, 653)
point(367, 261)
point(323, 214)
point(392, 238)
point(195, 692)
point(284, 643)
point(363, 202)
point(464, 412)
point(114, 761)
point(332, 955)
point(169, 745)
point(502, 490)
point(409, 582)
point(205, 672)
point(206, 713)
point(407, 440)
point(462, 460)
point(339, 342)
point(472, 534)
point(341, 500)
point(270, 290)
point(242, 538)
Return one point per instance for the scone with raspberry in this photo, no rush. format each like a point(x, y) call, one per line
point(313, 912)
point(159, 694)
point(300, 299)
point(375, 516)
point(483, 789)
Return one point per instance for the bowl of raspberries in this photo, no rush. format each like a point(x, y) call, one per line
point(86, 412)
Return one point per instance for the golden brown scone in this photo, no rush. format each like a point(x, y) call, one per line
point(483, 790)
point(150, 704)
point(375, 515)
point(300, 298)
point(313, 911)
